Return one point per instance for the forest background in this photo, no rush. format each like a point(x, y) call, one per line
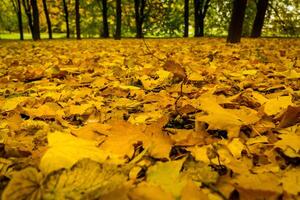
point(161, 18)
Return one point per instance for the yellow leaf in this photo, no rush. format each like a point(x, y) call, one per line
point(267, 183)
point(79, 109)
point(12, 103)
point(250, 72)
point(142, 118)
point(236, 147)
point(289, 140)
point(219, 118)
point(276, 105)
point(46, 110)
point(291, 181)
point(192, 192)
point(25, 184)
point(166, 175)
point(148, 191)
point(65, 150)
point(257, 139)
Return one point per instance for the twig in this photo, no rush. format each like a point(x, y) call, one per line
point(215, 190)
point(180, 95)
point(149, 50)
point(181, 85)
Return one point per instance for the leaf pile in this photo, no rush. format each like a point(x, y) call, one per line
point(176, 119)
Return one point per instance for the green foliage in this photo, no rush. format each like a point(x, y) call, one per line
point(8, 17)
point(214, 24)
point(163, 18)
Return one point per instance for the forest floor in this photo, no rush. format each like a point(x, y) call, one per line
point(155, 119)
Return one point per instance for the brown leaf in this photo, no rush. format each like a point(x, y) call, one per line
point(290, 117)
point(175, 68)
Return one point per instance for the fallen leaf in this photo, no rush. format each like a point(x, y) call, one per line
point(167, 176)
point(291, 181)
point(276, 105)
point(84, 180)
point(148, 191)
point(25, 184)
point(267, 185)
point(65, 150)
point(290, 117)
point(11, 103)
point(236, 147)
point(289, 140)
point(175, 68)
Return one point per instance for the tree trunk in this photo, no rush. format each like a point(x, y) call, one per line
point(237, 20)
point(27, 9)
point(119, 18)
point(20, 21)
point(47, 19)
point(137, 17)
point(139, 7)
point(201, 7)
point(262, 6)
point(186, 18)
point(36, 20)
point(201, 26)
point(104, 18)
point(66, 18)
point(196, 17)
point(77, 20)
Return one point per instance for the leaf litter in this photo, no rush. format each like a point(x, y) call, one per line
point(173, 119)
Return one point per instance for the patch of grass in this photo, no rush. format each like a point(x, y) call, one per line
point(27, 36)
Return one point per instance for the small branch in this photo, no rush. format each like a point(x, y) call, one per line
point(149, 50)
point(215, 190)
point(178, 98)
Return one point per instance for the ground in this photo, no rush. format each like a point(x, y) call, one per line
point(150, 119)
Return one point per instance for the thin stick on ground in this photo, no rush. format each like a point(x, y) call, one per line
point(150, 51)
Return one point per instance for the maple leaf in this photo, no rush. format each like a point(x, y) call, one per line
point(236, 147)
point(111, 104)
point(166, 175)
point(276, 105)
point(291, 140)
point(290, 181)
point(290, 117)
point(84, 180)
point(149, 191)
point(192, 192)
point(200, 172)
point(122, 137)
point(12, 103)
point(26, 184)
point(157, 142)
point(65, 150)
point(219, 118)
point(265, 185)
point(175, 68)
